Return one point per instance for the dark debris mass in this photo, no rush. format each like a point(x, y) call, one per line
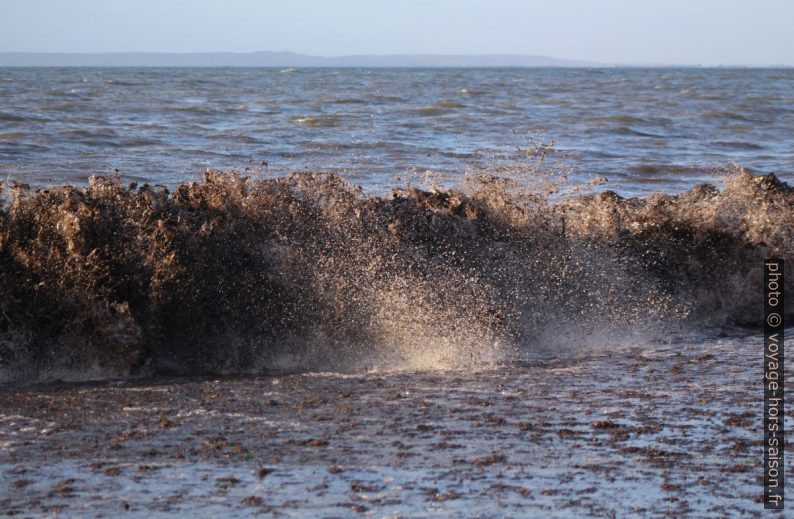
point(233, 274)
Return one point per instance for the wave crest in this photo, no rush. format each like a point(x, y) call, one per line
point(308, 272)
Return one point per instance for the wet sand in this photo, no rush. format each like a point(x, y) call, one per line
point(671, 430)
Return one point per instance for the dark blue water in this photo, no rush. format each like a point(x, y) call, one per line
point(642, 129)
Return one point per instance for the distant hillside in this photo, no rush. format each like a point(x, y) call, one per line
point(274, 59)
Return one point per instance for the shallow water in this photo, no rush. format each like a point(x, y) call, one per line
point(643, 129)
point(615, 430)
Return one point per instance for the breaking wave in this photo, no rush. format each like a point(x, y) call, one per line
point(307, 272)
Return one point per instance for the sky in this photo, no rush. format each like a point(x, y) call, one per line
point(685, 32)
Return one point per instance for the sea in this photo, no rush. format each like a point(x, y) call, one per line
point(229, 292)
point(643, 129)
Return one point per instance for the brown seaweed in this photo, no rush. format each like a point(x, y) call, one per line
point(308, 272)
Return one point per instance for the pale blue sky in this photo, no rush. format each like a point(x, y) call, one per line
point(708, 32)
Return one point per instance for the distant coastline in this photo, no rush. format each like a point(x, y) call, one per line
point(276, 59)
point(292, 59)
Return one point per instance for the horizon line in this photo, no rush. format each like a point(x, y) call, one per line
point(551, 61)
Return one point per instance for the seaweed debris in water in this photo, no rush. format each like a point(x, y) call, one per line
point(307, 272)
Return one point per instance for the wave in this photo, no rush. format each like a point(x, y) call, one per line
point(626, 119)
point(15, 118)
point(731, 116)
point(625, 130)
point(5, 116)
point(667, 169)
point(439, 108)
point(323, 121)
point(738, 145)
point(307, 272)
point(347, 101)
point(140, 141)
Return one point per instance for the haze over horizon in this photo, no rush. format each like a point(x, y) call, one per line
point(279, 59)
point(672, 32)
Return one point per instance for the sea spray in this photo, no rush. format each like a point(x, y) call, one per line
point(307, 272)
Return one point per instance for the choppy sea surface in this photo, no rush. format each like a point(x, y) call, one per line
point(643, 129)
